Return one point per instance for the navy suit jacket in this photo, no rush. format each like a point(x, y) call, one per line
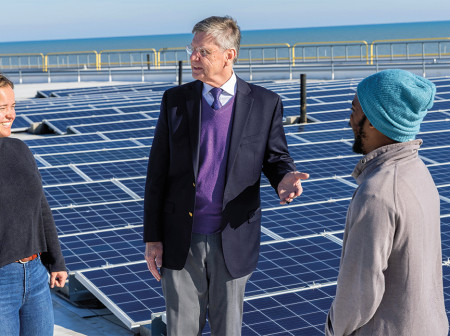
point(257, 144)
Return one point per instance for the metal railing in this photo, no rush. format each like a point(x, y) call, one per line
point(276, 53)
point(248, 54)
point(282, 54)
point(21, 61)
point(330, 52)
point(144, 58)
point(171, 56)
point(71, 60)
point(410, 49)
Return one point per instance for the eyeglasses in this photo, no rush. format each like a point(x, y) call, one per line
point(202, 51)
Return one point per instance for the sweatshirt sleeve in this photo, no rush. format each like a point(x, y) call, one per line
point(368, 243)
point(52, 258)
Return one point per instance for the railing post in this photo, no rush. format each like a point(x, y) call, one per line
point(293, 55)
point(180, 72)
point(303, 118)
point(291, 63)
point(148, 61)
point(99, 61)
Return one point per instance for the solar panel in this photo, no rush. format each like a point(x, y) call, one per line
point(444, 193)
point(436, 116)
point(301, 312)
point(68, 113)
point(446, 280)
point(88, 218)
point(319, 136)
point(131, 133)
point(439, 172)
point(435, 139)
point(320, 150)
point(324, 168)
point(307, 259)
point(60, 175)
point(60, 125)
point(133, 294)
point(322, 126)
point(303, 220)
point(142, 108)
point(445, 234)
point(435, 125)
point(102, 248)
point(20, 124)
point(51, 140)
point(435, 155)
point(57, 159)
point(327, 116)
point(285, 265)
point(95, 184)
point(66, 195)
point(83, 147)
point(114, 126)
point(116, 169)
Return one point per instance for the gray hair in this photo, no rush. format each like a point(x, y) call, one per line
point(5, 82)
point(224, 29)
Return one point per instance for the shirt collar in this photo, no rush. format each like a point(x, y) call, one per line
point(229, 86)
point(381, 155)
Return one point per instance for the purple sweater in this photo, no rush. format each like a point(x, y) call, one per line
point(214, 144)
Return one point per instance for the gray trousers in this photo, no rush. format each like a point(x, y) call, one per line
point(203, 285)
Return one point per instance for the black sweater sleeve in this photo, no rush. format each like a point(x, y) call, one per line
point(52, 258)
point(26, 224)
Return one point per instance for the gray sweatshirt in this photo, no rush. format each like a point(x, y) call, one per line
point(390, 276)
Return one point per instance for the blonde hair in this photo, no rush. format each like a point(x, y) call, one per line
point(5, 82)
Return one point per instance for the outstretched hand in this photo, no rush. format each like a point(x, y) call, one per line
point(290, 186)
point(153, 256)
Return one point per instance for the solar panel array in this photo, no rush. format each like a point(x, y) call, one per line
point(94, 171)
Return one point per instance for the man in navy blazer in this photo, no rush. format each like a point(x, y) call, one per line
point(202, 215)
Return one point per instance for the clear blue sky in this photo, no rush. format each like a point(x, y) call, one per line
point(30, 20)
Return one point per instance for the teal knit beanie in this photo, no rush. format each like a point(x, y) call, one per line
point(395, 102)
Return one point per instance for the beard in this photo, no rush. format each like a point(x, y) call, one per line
point(358, 146)
point(360, 135)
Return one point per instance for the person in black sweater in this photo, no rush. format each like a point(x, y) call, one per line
point(29, 245)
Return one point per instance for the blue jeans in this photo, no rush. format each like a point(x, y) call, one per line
point(26, 307)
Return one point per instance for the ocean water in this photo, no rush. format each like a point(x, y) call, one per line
point(368, 33)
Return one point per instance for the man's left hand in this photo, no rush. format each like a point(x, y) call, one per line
point(290, 186)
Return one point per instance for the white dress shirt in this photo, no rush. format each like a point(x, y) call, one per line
point(229, 90)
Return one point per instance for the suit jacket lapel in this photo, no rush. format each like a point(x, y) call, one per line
point(193, 99)
point(243, 104)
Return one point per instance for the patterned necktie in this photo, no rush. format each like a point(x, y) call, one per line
point(216, 94)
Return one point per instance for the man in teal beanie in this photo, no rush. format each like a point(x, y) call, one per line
point(390, 276)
